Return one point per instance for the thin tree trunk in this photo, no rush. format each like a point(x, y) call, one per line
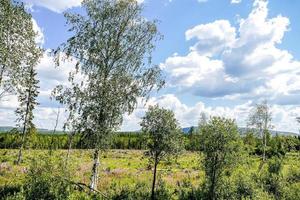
point(154, 180)
point(19, 159)
point(24, 130)
point(69, 147)
point(54, 130)
point(265, 137)
point(265, 145)
point(262, 135)
point(213, 184)
point(213, 180)
point(94, 176)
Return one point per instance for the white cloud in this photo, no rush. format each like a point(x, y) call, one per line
point(236, 1)
point(283, 116)
point(39, 39)
point(202, 1)
point(191, 69)
point(212, 37)
point(50, 75)
point(200, 75)
point(242, 62)
point(55, 5)
point(45, 113)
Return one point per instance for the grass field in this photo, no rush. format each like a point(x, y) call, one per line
point(125, 167)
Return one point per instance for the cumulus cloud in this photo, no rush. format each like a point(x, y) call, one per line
point(255, 49)
point(212, 37)
point(241, 63)
point(203, 76)
point(283, 116)
point(237, 62)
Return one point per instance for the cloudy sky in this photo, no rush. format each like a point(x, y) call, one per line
point(220, 57)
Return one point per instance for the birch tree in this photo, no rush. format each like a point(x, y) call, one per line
point(202, 119)
point(112, 45)
point(70, 97)
point(17, 41)
point(27, 94)
point(19, 54)
point(260, 119)
point(221, 146)
point(164, 137)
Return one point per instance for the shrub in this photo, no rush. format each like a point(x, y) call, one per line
point(7, 191)
point(186, 191)
point(46, 180)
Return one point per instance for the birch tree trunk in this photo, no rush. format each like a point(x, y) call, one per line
point(94, 176)
point(154, 180)
point(54, 131)
point(69, 147)
point(19, 159)
point(265, 135)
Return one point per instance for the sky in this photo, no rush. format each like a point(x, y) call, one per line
point(220, 57)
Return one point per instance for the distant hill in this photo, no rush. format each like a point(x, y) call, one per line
point(39, 130)
point(185, 130)
point(5, 128)
point(243, 131)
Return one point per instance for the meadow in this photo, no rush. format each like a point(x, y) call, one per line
point(125, 169)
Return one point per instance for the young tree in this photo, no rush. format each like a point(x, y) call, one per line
point(28, 93)
point(202, 120)
point(17, 44)
point(164, 136)
point(112, 44)
point(54, 131)
point(221, 146)
point(260, 119)
point(70, 98)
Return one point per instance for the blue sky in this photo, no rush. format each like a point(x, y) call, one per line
point(219, 56)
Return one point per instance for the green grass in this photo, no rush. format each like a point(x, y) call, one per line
point(125, 167)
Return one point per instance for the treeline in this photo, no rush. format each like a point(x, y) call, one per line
point(136, 140)
point(12, 140)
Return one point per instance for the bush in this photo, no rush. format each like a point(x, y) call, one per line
point(292, 191)
point(186, 191)
point(46, 180)
point(7, 191)
point(139, 191)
